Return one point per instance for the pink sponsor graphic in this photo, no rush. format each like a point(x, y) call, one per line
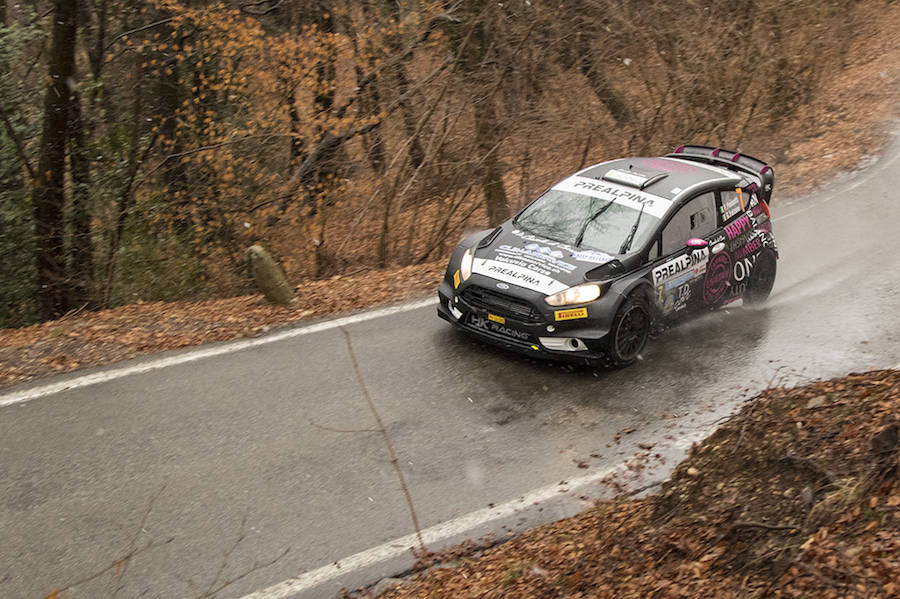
point(741, 225)
point(718, 276)
point(668, 165)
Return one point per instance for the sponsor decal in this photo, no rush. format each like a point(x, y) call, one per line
point(548, 242)
point(718, 278)
point(717, 238)
point(679, 280)
point(654, 205)
point(743, 267)
point(495, 327)
point(592, 257)
point(678, 300)
point(670, 166)
point(496, 318)
point(456, 279)
point(737, 291)
point(694, 262)
point(752, 246)
point(758, 213)
point(738, 227)
point(570, 314)
point(542, 249)
point(731, 205)
point(517, 275)
point(542, 256)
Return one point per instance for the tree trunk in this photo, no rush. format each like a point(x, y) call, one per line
point(49, 195)
point(398, 80)
point(488, 140)
point(603, 89)
point(473, 46)
point(81, 247)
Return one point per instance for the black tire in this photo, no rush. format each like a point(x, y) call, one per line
point(762, 279)
point(629, 332)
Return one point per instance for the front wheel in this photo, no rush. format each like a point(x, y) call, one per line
point(629, 332)
point(762, 279)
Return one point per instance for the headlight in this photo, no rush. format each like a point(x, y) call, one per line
point(574, 295)
point(465, 265)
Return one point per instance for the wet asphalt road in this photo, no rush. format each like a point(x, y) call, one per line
point(252, 435)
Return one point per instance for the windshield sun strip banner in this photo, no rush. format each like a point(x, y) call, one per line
point(605, 190)
point(511, 273)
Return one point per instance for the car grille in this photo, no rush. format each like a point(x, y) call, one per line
point(503, 305)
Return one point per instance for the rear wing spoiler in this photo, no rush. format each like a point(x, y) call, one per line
point(731, 160)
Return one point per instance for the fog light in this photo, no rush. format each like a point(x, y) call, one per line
point(563, 343)
point(550, 328)
point(456, 313)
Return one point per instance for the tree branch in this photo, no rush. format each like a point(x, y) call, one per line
point(20, 147)
point(138, 30)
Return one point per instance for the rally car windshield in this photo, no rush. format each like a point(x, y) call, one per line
point(585, 221)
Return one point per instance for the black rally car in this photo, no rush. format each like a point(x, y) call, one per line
point(584, 271)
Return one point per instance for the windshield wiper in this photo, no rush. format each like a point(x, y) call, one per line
point(589, 221)
point(627, 244)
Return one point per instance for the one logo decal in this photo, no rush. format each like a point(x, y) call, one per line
point(743, 267)
point(496, 318)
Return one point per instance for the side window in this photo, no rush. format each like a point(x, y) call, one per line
point(730, 205)
point(697, 218)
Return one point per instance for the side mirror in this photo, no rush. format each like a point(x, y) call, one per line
point(695, 243)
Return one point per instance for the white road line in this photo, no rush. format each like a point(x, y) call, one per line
point(117, 373)
point(439, 532)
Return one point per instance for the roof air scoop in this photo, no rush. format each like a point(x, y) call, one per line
point(632, 178)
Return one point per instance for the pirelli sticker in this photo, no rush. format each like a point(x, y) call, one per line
point(456, 279)
point(570, 314)
point(498, 319)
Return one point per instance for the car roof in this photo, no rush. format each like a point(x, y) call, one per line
point(670, 178)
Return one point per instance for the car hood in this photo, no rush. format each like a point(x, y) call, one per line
point(537, 263)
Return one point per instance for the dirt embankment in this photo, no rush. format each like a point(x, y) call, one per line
point(798, 495)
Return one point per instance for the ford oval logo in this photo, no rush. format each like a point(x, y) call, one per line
point(502, 286)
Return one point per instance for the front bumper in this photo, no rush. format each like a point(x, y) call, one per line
point(585, 338)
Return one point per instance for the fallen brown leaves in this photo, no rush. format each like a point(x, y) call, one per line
point(784, 500)
point(97, 338)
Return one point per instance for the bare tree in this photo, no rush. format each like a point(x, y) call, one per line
point(49, 192)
